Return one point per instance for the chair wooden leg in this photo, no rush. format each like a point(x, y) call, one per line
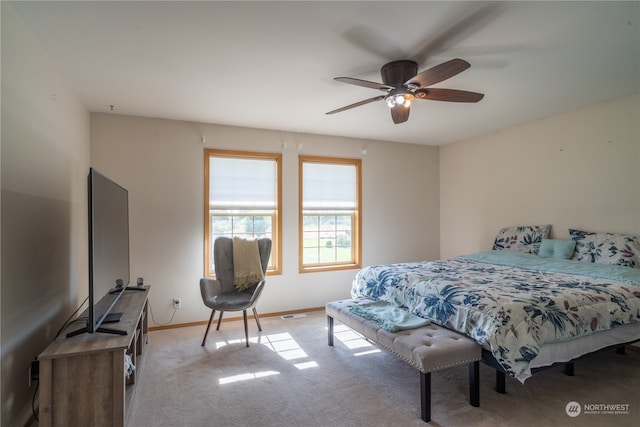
point(246, 327)
point(219, 320)
point(255, 316)
point(208, 326)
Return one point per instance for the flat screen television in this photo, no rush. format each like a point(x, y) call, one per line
point(108, 251)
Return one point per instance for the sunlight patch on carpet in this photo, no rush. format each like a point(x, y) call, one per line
point(368, 352)
point(221, 344)
point(306, 365)
point(288, 348)
point(246, 377)
point(350, 338)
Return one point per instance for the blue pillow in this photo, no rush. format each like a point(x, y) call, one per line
point(557, 248)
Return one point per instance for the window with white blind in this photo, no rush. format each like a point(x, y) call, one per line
point(242, 192)
point(330, 213)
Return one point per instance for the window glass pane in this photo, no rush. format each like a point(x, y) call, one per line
point(311, 239)
point(220, 225)
point(310, 222)
point(327, 222)
point(310, 255)
point(243, 226)
point(327, 255)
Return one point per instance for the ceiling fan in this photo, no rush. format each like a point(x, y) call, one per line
point(402, 84)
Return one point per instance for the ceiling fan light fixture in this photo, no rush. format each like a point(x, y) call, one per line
point(391, 101)
point(403, 99)
point(406, 99)
point(402, 85)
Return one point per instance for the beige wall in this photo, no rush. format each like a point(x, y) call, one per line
point(45, 158)
point(161, 163)
point(579, 169)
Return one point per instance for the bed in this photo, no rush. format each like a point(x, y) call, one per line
point(530, 301)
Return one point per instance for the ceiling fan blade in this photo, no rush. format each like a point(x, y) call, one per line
point(357, 104)
point(365, 83)
point(451, 95)
point(439, 73)
point(399, 114)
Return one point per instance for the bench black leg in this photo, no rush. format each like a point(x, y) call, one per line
point(569, 369)
point(425, 396)
point(474, 384)
point(330, 333)
point(500, 382)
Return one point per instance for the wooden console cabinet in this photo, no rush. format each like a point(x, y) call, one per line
point(83, 380)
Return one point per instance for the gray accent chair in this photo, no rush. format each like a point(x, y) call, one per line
point(220, 293)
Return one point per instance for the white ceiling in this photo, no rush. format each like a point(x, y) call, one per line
point(271, 64)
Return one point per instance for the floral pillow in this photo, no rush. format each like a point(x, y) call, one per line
point(606, 248)
point(521, 239)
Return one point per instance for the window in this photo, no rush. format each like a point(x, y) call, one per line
point(330, 215)
point(242, 198)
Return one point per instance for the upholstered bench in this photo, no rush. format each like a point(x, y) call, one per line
point(428, 348)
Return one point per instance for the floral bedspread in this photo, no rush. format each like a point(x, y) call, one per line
point(514, 304)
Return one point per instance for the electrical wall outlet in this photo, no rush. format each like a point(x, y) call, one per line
point(177, 303)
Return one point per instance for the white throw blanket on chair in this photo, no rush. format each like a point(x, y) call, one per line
point(247, 268)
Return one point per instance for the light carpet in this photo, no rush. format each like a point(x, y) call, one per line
point(289, 376)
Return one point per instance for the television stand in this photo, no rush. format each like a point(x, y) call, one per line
point(112, 317)
point(109, 318)
point(82, 379)
point(111, 331)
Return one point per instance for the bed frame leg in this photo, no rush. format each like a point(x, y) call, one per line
point(330, 328)
point(569, 369)
point(425, 396)
point(474, 384)
point(500, 382)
